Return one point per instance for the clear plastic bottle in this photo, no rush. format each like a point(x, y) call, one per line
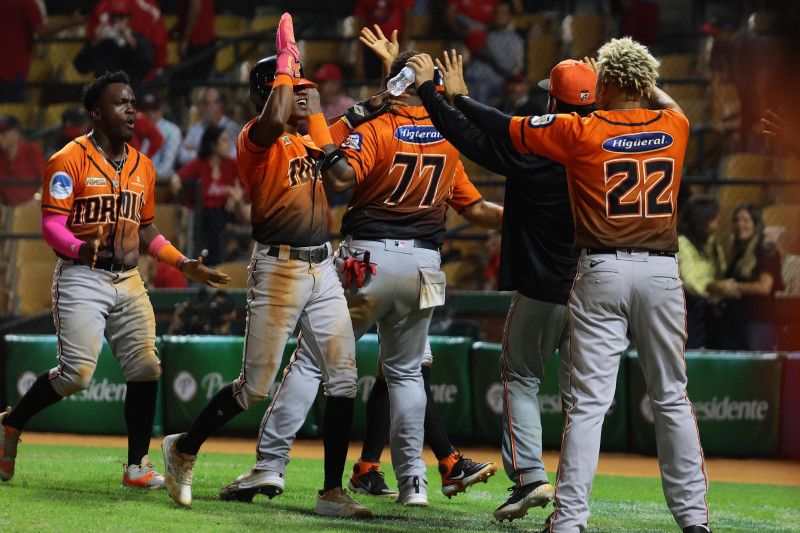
point(399, 83)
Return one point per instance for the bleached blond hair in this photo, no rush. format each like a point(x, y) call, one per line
point(628, 65)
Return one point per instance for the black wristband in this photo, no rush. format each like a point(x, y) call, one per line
point(330, 160)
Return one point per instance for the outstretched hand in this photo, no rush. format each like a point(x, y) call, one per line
point(453, 74)
point(382, 47)
point(423, 68)
point(88, 250)
point(195, 270)
point(776, 128)
point(591, 62)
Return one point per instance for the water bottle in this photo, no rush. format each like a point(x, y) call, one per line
point(398, 84)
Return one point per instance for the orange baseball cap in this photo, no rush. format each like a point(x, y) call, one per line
point(571, 82)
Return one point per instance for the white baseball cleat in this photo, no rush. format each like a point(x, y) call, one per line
point(178, 469)
point(253, 482)
point(413, 492)
point(142, 476)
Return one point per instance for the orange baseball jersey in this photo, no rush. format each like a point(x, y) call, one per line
point(406, 174)
point(79, 182)
point(287, 198)
point(623, 172)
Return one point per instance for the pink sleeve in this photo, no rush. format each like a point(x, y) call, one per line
point(56, 234)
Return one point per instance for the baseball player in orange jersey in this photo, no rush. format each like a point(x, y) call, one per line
point(403, 172)
point(292, 278)
point(97, 214)
point(623, 173)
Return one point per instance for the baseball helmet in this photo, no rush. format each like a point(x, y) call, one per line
point(262, 76)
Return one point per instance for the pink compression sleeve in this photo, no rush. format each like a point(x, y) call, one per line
point(56, 234)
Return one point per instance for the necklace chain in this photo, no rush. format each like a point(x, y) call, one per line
point(118, 166)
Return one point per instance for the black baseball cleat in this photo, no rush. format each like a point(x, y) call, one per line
point(522, 498)
point(700, 528)
point(368, 479)
point(459, 472)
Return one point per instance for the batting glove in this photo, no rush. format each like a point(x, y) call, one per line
point(357, 269)
point(288, 54)
point(360, 112)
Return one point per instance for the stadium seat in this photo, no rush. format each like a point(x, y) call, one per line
point(432, 47)
point(169, 219)
point(69, 74)
point(588, 34)
point(266, 23)
point(525, 21)
point(238, 272)
point(63, 52)
point(789, 168)
point(420, 24)
point(747, 166)
point(314, 53)
point(682, 91)
point(227, 25)
point(698, 110)
point(677, 66)
point(542, 55)
point(40, 71)
point(30, 293)
point(27, 114)
point(53, 112)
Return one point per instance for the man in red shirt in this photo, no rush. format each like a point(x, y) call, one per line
point(195, 34)
point(390, 15)
point(19, 160)
point(20, 21)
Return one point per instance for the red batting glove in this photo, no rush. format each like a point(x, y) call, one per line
point(288, 54)
point(357, 269)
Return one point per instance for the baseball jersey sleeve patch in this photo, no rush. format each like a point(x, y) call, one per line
point(353, 141)
point(541, 121)
point(60, 186)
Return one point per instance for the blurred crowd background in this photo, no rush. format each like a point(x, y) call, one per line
point(727, 63)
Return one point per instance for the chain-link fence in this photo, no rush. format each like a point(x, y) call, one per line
point(696, 43)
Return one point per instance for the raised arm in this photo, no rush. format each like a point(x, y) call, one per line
point(495, 154)
point(274, 117)
point(658, 99)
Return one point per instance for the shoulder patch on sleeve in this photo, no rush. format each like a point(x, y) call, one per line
point(541, 121)
point(353, 142)
point(60, 186)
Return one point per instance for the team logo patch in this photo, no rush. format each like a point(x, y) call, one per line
point(637, 143)
point(286, 140)
point(353, 141)
point(60, 186)
point(584, 96)
point(95, 182)
point(542, 121)
point(413, 134)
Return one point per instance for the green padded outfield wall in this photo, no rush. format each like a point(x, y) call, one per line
point(450, 382)
point(487, 393)
point(98, 409)
point(197, 366)
point(736, 399)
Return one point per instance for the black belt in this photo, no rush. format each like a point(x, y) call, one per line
point(106, 264)
point(595, 251)
point(314, 255)
point(416, 243)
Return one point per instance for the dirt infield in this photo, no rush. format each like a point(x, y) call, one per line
point(775, 472)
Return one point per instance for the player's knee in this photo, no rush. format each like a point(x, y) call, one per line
point(146, 367)
point(70, 380)
point(248, 397)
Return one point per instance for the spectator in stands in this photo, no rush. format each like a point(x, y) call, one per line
point(499, 55)
point(467, 19)
point(145, 19)
point(195, 35)
point(491, 274)
point(20, 21)
point(114, 45)
point(390, 15)
point(216, 174)
point(518, 99)
point(75, 121)
point(160, 276)
point(640, 20)
point(164, 159)
point(790, 263)
point(756, 266)
point(146, 136)
point(19, 160)
point(212, 112)
point(333, 99)
point(702, 266)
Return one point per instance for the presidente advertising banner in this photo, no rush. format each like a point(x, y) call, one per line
point(100, 408)
point(735, 397)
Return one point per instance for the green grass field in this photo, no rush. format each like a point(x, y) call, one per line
point(68, 489)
